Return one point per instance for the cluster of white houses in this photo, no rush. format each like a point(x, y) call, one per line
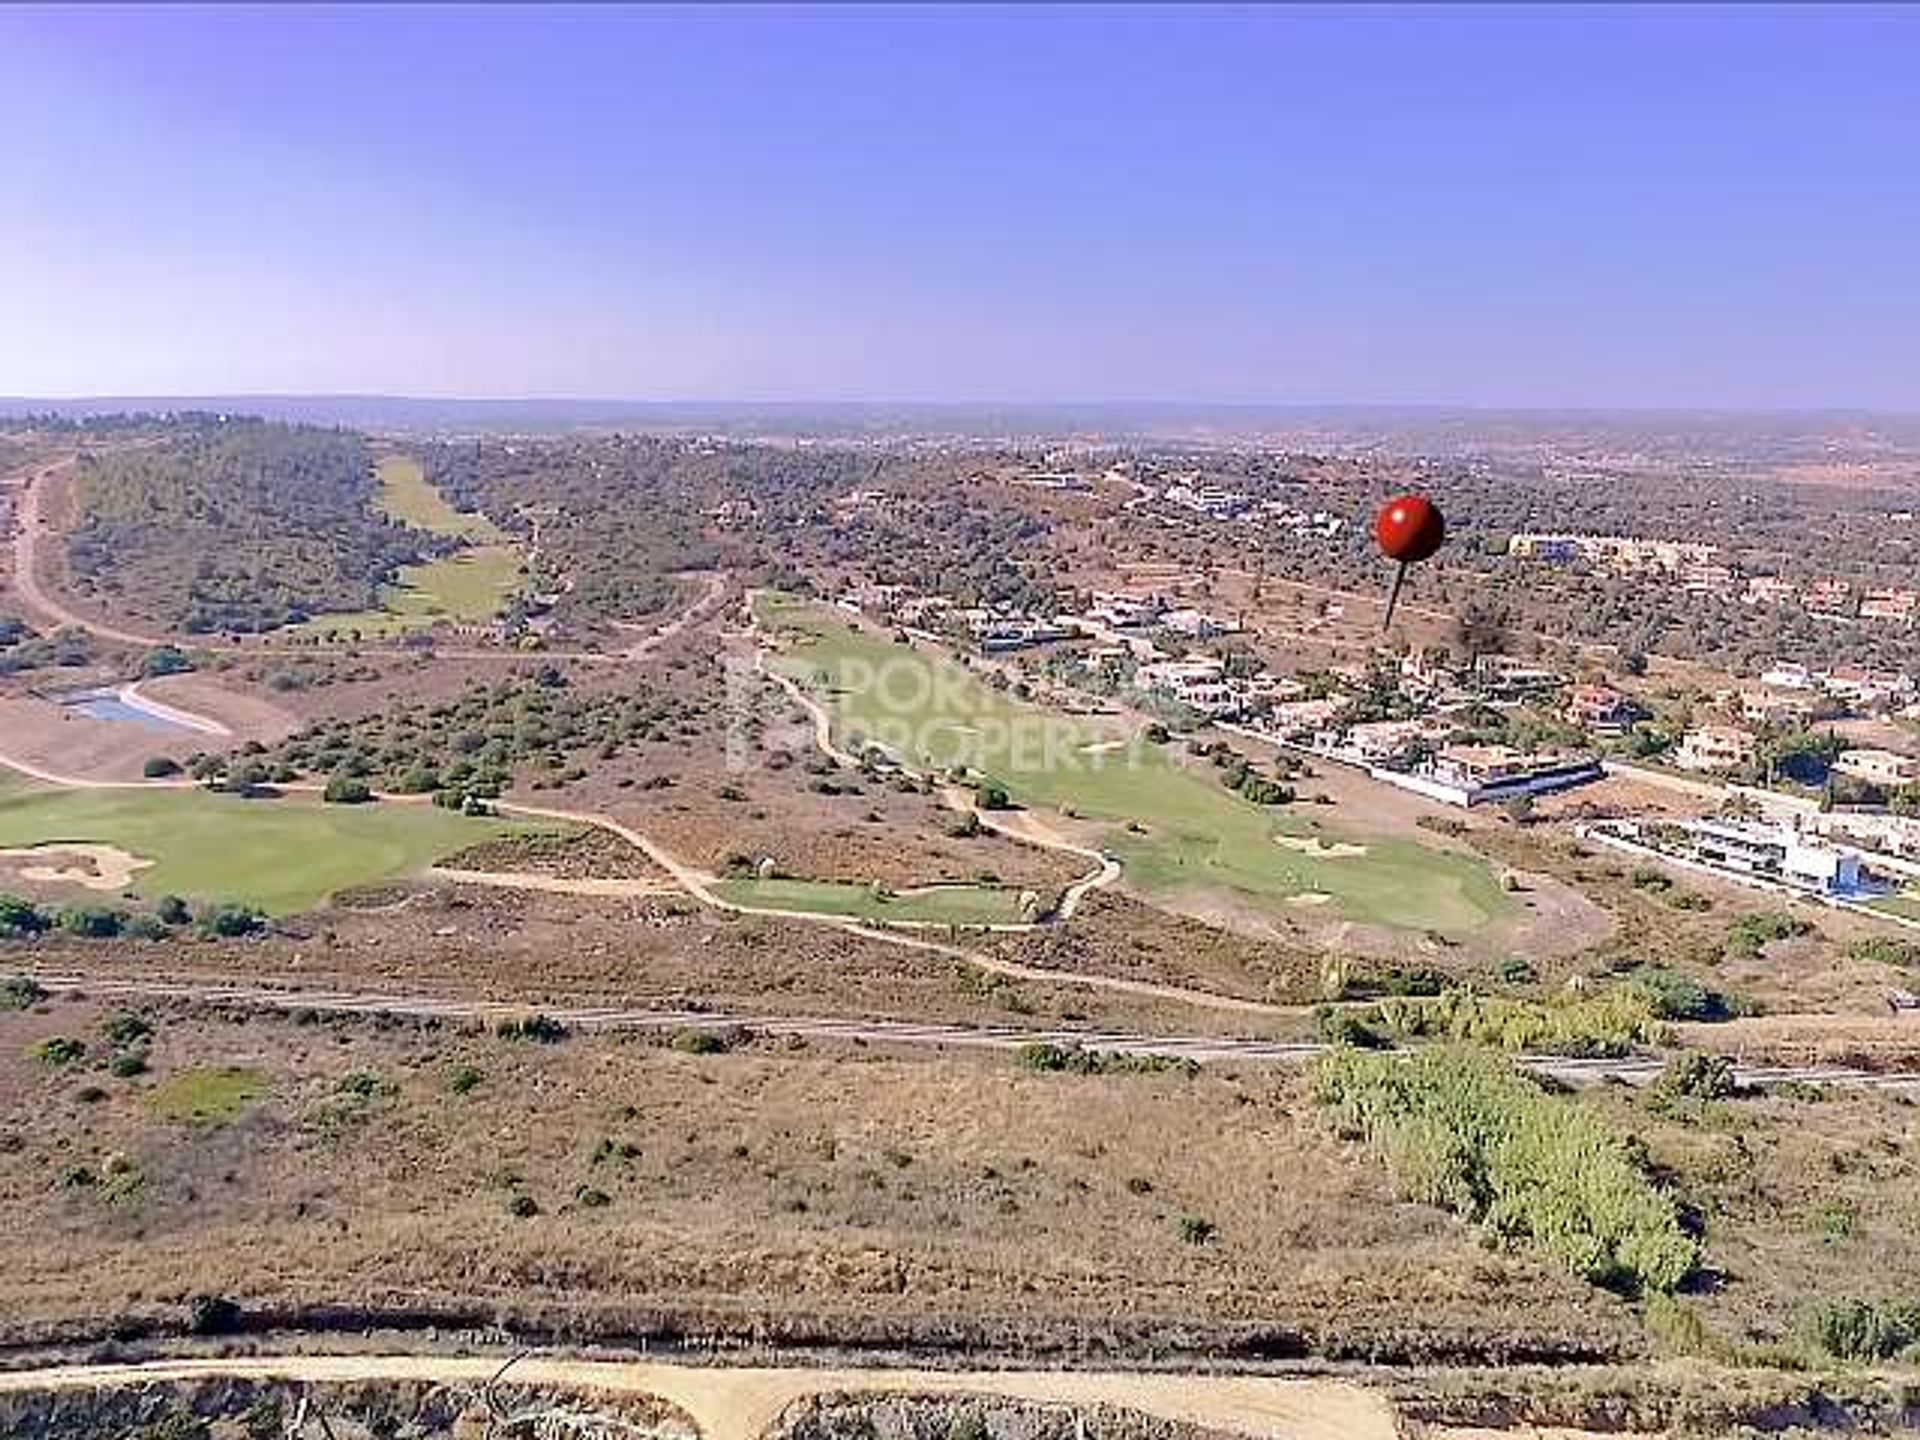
point(1787, 846)
point(1142, 642)
point(1699, 569)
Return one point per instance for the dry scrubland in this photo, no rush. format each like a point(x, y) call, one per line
point(463, 942)
point(619, 1187)
point(627, 1187)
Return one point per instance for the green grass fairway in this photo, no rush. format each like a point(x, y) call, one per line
point(1198, 835)
point(468, 588)
point(408, 498)
point(946, 905)
point(282, 855)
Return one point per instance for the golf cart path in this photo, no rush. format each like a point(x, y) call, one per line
point(699, 885)
point(743, 1403)
point(1022, 826)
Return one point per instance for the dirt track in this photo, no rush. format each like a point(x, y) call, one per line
point(741, 1404)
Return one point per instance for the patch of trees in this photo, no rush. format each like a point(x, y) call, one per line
point(472, 748)
point(21, 919)
point(238, 526)
point(22, 648)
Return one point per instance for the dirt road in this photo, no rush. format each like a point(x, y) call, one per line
point(30, 524)
point(729, 1403)
point(1200, 1049)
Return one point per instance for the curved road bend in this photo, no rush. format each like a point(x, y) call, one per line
point(698, 885)
point(31, 525)
point(1201, 1049)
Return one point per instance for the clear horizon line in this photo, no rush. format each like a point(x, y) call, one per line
point(1435, 406)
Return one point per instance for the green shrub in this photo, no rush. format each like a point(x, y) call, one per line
point(128, 1065)
point(166, 660)
point(1515, 971)
point(1674, 995)
point(700, 1042)
point(1886, 950)
point(159, 767)
point(1071, 1059)
point(20, 992)
point(464, 1079)
point(58, 1050)
point(523, 1207)
point(21, 917)
point(92, 922)
point(1262, 791)
point(172, 910)
point(367, 1085)
point(230, 922)
point(124, 1030)
point(1696, 1076)
point(1346, 1026)
point(541, 1029)
point(1604, 1025)
point(1462, 1129)
point(1197, 1231)
point(145, 927)
point(1866, 1330)
point(347, 790)
point(1751, 934)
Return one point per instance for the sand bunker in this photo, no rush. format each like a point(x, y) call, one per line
point(1309, 897)
point(97, 867)
point(1311, 845)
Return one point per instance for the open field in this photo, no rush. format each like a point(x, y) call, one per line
point(408, 498)
point(612, 1186)
point(1174, 827)
point(282, 854)
point(941, 904)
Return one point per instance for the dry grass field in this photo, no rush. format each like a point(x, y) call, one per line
point(624, 1187)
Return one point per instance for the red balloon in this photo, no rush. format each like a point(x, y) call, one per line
point(1409, 529)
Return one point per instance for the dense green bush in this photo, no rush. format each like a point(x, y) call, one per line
point(542, 1029)
point(21, 917)
point(232, 921)
point(347, 790)
point(122, 1030)
point(20, 992)
point(1462, 1129)
point(1867, 1330)
point(166, 660)
point(1751, 934)
point(1604, 1025)
point(1885, 950)
point(92, 921)
point(1675, 995)
point(159, 767)
point(58, 1050)
point(1696, 1076)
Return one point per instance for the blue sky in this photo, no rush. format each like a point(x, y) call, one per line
point(1501, 206)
